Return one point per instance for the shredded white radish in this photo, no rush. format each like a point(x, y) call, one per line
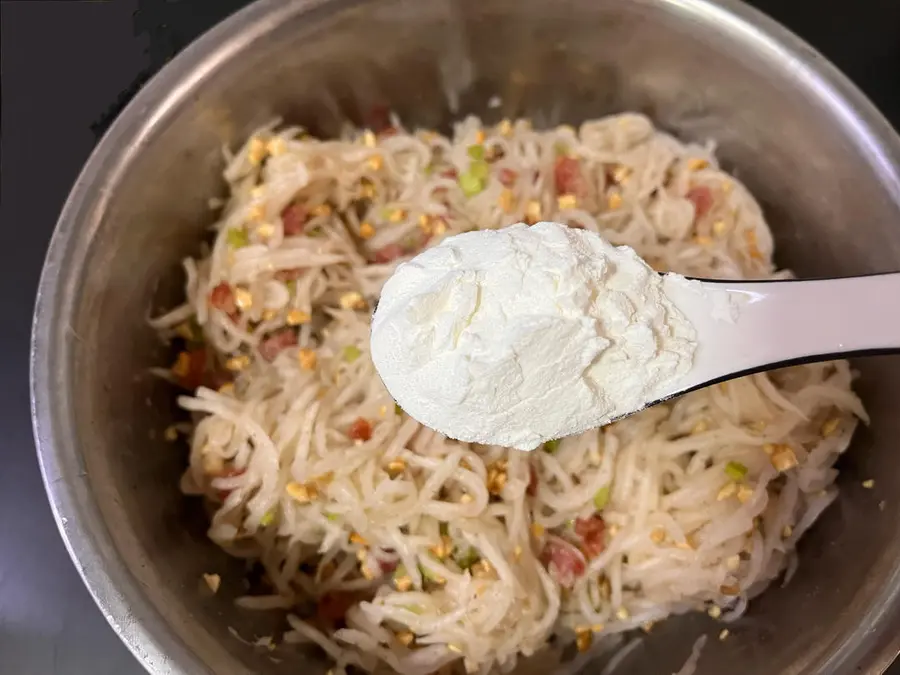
point(422, 552)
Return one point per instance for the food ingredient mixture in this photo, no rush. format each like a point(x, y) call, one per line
point(393, 547)
point(523, 335)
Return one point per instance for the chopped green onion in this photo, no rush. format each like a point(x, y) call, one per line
point(551, 446)
point(560, 148)
point(351, 353)
point(291, 286)
point(314, 233)
point(735, 470)
point(400, 571)
point(470, 183)
point(238, 237)
point(267, 519)
point(480, 170)
point(331, 516)
point(476, 152)
point(428, 574)
point(429, 169)
point(601, 499)
point(444, 529)
point(397, 409)
point(467, 559)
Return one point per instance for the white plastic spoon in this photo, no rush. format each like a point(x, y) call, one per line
point(781, 323)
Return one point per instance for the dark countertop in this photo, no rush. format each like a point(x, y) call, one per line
point(66, 69)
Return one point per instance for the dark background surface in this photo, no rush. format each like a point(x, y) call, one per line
point(66, 69)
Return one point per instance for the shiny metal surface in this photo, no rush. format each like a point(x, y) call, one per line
point(820, 158)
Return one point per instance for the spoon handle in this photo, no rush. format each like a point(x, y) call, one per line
point(788, 322)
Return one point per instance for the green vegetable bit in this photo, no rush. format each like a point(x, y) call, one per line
point(267, 519)
point(291, 286)
point(561, 149)
point(476, 152)
point(551, 446)
point(238, 237)
point(351, 353)
point(480, 170)
point(470, 183)
point(735, 470)
point(331, 516)
point(397, 409)
point(428, 574)
point(467, 559)
point(601, 499)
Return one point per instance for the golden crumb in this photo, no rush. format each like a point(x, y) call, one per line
point(297, 317)
point(366, 231)
point(784, 458)
point(703, 240)
point(269, 314)
point(614, 200)
point(620, 173)
point(243, 298)
point(256, 212)
point(307, 359)
point(265, 230)
point(369, 139)
point(728, 490)
point(696, 163)
point(479, 137)
point(238, 362)
point(213, 581)
point(321, 210)
point(724, 634)
point(567, 201)
point(276, 146)
point(397, 215)
point(517, 552)
point(506, 200)
point(658, 535)
point(403, 583)
point(868, 484)
point(719, 228)
point(647, 626)
point(171, 433)
point(583, 640)
point(256, 151)
point(406, 637)
point(730, 589)
point(300, 492)
point(830, 426)
point(357, 538)
point(376, 162)
point(533, 211)
point(504, 128)
point(454, 648)
point(466, 498)
point(182, 365)
point(352, 300)
point(732, 562)
point(396, 467)
point(537, 529)
point(227, 388)
point(715, 611)
point(622, 614)
point(213, 464)
point(700, 427)
point(744, 493)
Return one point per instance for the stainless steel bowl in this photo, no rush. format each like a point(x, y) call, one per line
point(823, 162)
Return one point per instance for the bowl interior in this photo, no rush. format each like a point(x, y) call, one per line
point(830, 193)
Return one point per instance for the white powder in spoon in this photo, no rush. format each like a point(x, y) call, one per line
point(517, 336)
